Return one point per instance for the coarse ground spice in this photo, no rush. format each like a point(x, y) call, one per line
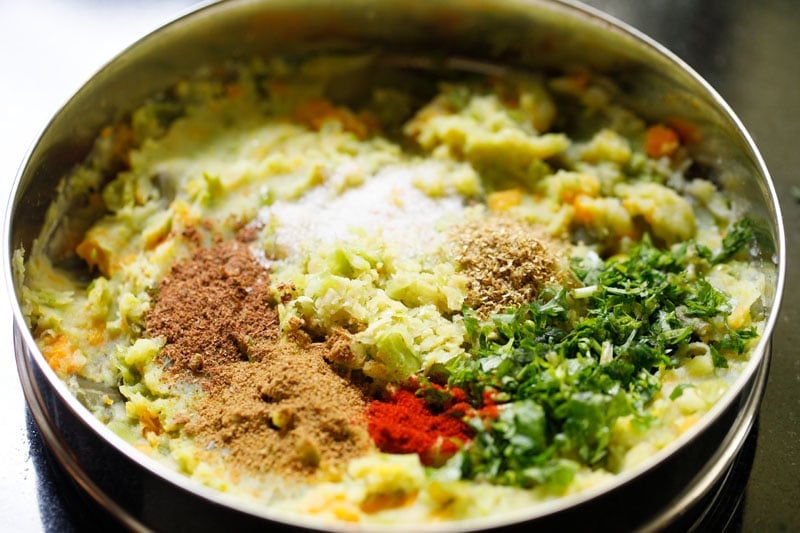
point(286, 412)
point(273, 405)
point(406, 424)
point(507, 263)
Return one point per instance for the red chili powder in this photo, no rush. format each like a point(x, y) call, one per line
point(489, 409)
point(405, 424)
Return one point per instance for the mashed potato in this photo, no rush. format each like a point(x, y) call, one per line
point(408, 242)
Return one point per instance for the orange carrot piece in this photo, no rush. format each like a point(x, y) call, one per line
point(584, 211)
point(660, 140)
point(500, 201)
point(317, 111)
point(95, 256)
point(59, 354)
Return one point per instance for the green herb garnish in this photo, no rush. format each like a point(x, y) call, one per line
point(569, 364)
point(677, 392)
point(737, 239)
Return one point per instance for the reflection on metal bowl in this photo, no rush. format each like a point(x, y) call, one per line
point(514, 34)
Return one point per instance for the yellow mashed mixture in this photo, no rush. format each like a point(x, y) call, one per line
point(355, 209)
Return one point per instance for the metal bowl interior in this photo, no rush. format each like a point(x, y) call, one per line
point(508, 34)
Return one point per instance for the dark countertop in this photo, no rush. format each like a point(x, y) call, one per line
point(745, 49)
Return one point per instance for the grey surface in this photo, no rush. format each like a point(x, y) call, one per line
point(745, 49)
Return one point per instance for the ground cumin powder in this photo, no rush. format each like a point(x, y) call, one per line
point(274, 405)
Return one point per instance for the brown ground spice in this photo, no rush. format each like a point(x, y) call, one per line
point(286, 412)
point(275, 405)
point(508, 262)
point(209, 309)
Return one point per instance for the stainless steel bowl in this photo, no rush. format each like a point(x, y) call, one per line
point(519, 34)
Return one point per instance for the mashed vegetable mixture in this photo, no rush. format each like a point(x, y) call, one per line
point(432, 301)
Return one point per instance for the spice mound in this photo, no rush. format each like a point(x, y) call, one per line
point(275, 405)
point(407, 423)
point(507, 261)
point(212, 309)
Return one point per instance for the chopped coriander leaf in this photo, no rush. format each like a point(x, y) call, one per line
point(571, 363)
point(705, 301)
point(732, 342)
point(677, 392)
point(717, 358)
point(738, 239)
